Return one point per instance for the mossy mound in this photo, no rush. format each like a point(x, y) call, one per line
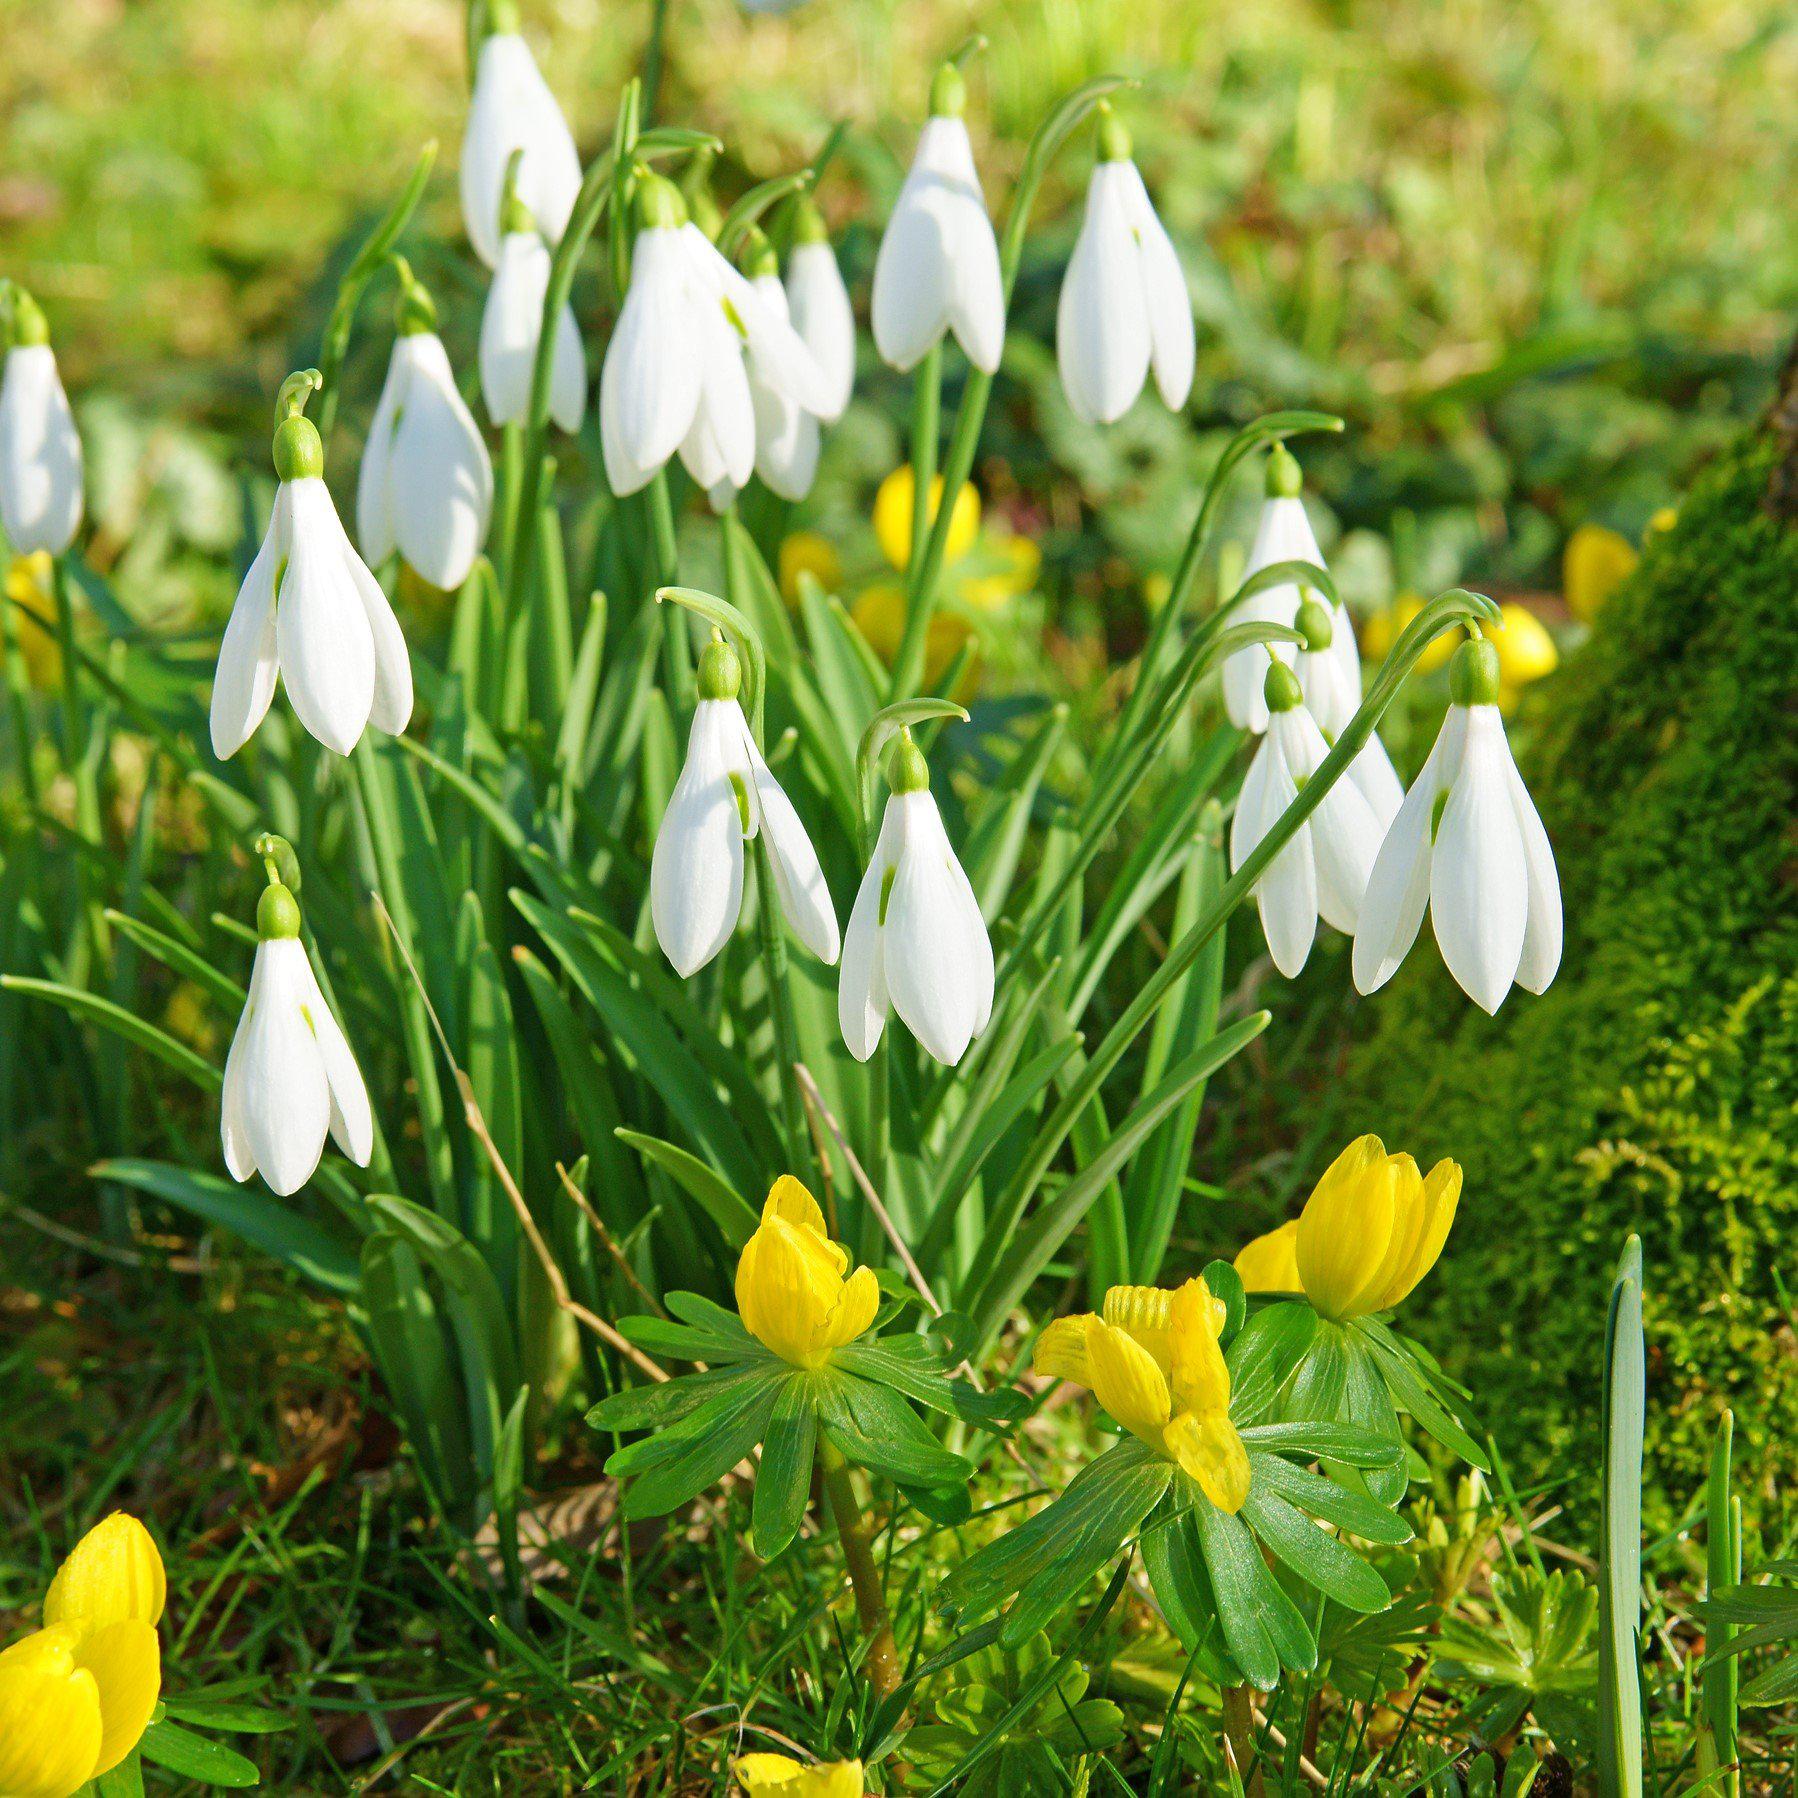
point(1655, 1086)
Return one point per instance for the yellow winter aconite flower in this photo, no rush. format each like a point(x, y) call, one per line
point(1371, 1229)
point(28, 587)
point(809, 552)
point(1382, 630)
point(1596, 561)
point(76, 1696)
point(791, 1291)
point(1152, 1359)
point(780, 1776)
point(1526, 651)
point(893, 507)
point(1015, 562)
point(879, 614)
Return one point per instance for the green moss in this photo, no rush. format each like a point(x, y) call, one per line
point(1654, 1086)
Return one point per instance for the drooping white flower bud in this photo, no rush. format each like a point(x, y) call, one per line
point(938, 265)
point(1330, 702)
point(512, 109)
point(512, 323)
point(310, 612)
point(1468, 846)
point(290, 1077)
point(40, 450)
point(725, 794)
point(426, 483)
point(916, 943)
point(1124, 305)
point(1322, 870)
point(818, 304)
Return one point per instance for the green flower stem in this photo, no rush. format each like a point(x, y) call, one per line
point(654, 57)
point(677, 640)
point(857, 1537)
point(1239, 1731)
point(18, 689)
point(920, 591)
point(90, 932)
point(926, 421)
point(505, 512)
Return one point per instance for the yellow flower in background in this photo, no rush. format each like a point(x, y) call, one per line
point(76, 1696)
point(1596, 561)
point(1371, 1229)
point(893, 508)
point(1016, 560)
point(780, 1776)
point(809, 552)
point(1662, 522)
point(1526, 651)
point(1382, 630)
point(879, 614)
point(1152, 1359)
point(791, 1290)
point(1157, 590)
point(28, 585)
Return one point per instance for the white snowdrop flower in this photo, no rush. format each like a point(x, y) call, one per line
point(1323, 869)
point(512, 109)
point(676, 374)
point(916, 942)
point(1332, 705)
point(426, 484)
point(1283, 535)
point(1124, 305)
point(725, 794)
point(938, 265)
point(1467, 844)
point(290, 1077)
point(511, 324)
point(40, 450)
point(818, 304)
point(310, 611)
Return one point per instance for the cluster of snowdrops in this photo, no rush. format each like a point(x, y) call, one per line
point(723, 360)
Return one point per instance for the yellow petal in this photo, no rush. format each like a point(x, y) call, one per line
point(1127, 1381)
point(1441, 1196)
point(1060, 1352)
point(1526, 651)
point(780, 1776)
point(838, 1779)
point(1270, 1263)
point(113, 1572)
point(854, 1310)
point(1345, 1228)
point(1142, 1313)
point(791, 1200)
point(784, 1295)
point(809, 552)
point(125, 1660)
point(49, 1717)
point(1389, 1281)
point(893, 509)
point(1209, 1449)
point(1596, 562)
point(1201, 1381)
point(768, 1773)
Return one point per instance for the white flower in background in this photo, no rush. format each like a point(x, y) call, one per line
point(1332, 705)
point(1468, 844)
point(818, 304)
point(725, 794)
point(1284, 535)
point(1322, 870)
point(40, 450)
point(290, 1076)
point(512, 109)
point(1124, 305)
point(916, 942)
point(426, 485)
point(938, 266)
point(512, 322)
point(310, 611)
point(677, 371)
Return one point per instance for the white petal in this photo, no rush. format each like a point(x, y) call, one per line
point(40, 454)
point(442, 476)
point(374, 479)
point(1345, 834)
point(1479, 878)
point(862, 1000)
point(392, 704)
point(510, 323)
point(322, 634)
point(512, 108)
point(721, 443)
point(567, 373)
point(352, 1122)
point(1286, 893)
point(696, 870)
point(770, 341)
point(1170, 304)
point(818, 304)
point(282, 1102)
point(977, 289)
point(1398, 889)
point(804, 896)
point(1542, 938)
point(931, 974)
point(1284, 534)
point(1102, 320)
point(1372, 771)
point(240, 1159)
point(1327, 697)
point(977, 944)
point(1347, 651)
point(649, 386)
point(245, 681)
point(1251, 820)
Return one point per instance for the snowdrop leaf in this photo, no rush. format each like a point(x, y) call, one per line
point(93, 1009)
point(733, 1214)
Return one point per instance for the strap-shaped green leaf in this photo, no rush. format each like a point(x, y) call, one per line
point(194, 1757)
